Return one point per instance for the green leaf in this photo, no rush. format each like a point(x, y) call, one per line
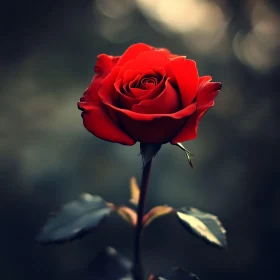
point(155, 213)
point(74, 219)
point(204, 225)
point(178, 273)
point(148, 151)
point(187, 152)
point(109, 265)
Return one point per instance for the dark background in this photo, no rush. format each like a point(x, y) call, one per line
point(48, 51)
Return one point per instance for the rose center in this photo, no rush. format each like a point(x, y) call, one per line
point(148, 83)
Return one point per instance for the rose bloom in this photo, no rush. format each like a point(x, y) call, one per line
point(147, 95)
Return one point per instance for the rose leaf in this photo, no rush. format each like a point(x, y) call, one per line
point(75, 219)
point(177, 273)
point(204, 225)
point(109, 265)
point(155, 213)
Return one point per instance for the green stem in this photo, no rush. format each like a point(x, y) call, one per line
point(137, 270)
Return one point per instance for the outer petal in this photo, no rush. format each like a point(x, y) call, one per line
point(159, 129)
point(205, 99)
point(104, 65)
point(96, 116)
point(107, 91)
point(186, 75)
point(132, 52)
point(149, 60)
point(98, 121)
point(167, 52)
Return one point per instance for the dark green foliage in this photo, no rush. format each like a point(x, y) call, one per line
point(109, 265)
point(74, 219)
point(204, 225)
point(178, 273)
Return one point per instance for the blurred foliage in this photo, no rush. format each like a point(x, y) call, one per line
point(48, 51)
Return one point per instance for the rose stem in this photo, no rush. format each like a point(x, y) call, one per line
point(137, 270)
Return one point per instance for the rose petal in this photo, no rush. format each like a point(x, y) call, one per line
point(125, 88)
point(132, 52)
point(149, 82)
point(107, 91)
point(135, 86)
point(97, 120)
point(205, 99)
point(104, 65)
point(147, 61)
point(126, 101)
point(166, 102)
point(135, 93)
point(167, 52)
point(129, 75)
point(186, 75)
point(96, 116)
point(107, 99)
point(154, 128)
point(148, 86)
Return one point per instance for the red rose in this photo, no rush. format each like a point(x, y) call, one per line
point(147, 95)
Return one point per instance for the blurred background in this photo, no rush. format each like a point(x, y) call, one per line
point(48, 51)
